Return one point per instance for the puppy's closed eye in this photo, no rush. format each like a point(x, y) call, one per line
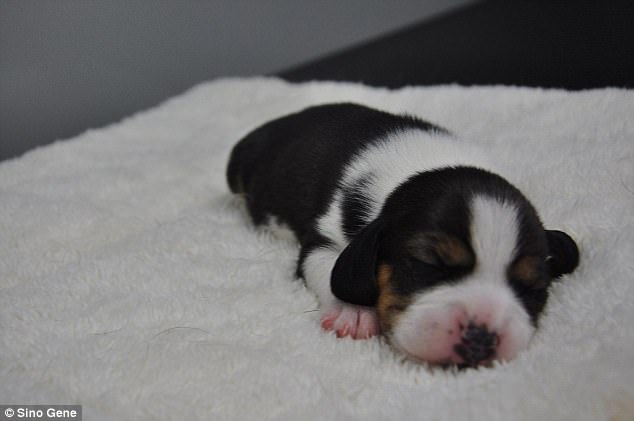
point(439, 249)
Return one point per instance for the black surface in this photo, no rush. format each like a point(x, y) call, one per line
point(559, 44)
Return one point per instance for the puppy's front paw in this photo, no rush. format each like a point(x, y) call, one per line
point(348, 320)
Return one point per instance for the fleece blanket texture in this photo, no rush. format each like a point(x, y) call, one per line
point(133, 283)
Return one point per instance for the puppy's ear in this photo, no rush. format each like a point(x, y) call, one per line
point(563, 253)
point(353, 278)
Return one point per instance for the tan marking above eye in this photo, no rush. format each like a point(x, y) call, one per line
point(440, 248)
point(526, 270)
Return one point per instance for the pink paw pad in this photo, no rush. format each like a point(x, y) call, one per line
point(356, 322)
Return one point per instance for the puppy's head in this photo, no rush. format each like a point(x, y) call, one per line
point(458, 265)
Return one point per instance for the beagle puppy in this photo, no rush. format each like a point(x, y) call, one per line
point(404, 230)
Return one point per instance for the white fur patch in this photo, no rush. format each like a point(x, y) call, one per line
point(317, 267)
point(279, 229)
point(330, 224)
point(494, 231)
point(391, 162)
point(403, 154)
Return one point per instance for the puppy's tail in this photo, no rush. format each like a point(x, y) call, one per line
point(244, 160)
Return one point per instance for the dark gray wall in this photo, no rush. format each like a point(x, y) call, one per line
point(68, 65)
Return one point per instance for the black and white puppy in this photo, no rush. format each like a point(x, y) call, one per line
point(404, 231)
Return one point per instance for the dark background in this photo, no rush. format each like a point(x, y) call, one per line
point(552, 44)
point(66, 66)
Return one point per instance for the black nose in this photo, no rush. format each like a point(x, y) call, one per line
point(477, 345)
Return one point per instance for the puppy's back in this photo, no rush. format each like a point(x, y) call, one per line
point(288, 168)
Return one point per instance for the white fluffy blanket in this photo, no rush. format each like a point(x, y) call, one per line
point(132, 282)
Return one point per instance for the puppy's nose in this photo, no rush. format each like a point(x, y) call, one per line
point(476, 345)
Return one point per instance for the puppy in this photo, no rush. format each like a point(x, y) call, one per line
point(404, 231)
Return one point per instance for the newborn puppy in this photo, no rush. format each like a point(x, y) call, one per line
point(404, 231)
